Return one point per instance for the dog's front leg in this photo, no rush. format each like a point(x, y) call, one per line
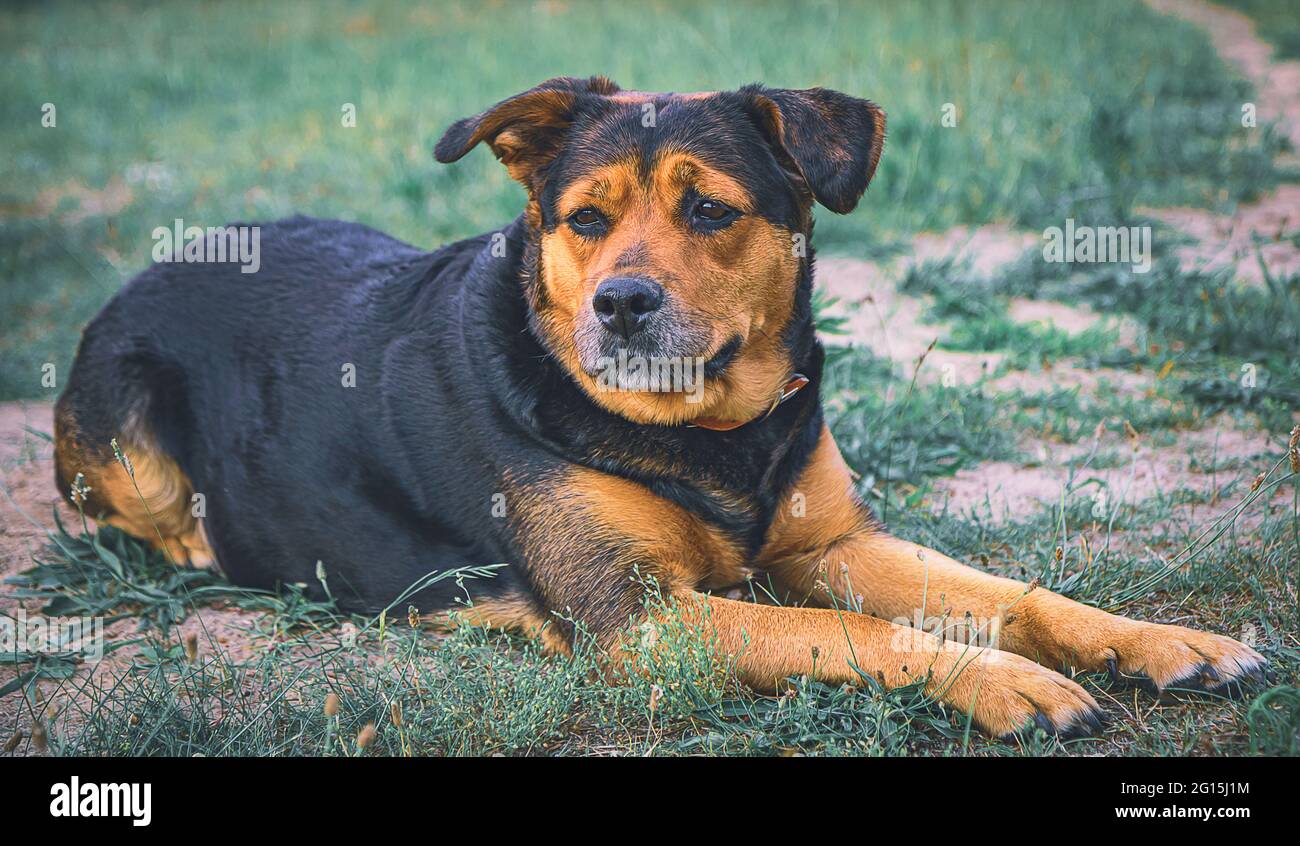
point(593, 543)
point(1003, 692)
point(834, 554)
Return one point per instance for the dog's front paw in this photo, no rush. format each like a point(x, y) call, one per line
point(1007, 694)
point(1162, 657)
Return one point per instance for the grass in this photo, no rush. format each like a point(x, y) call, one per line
point(892, 430)
point(1034, 343)
point(1226, 344)
point(1214, 343)
point(472, 691)
point(466, 695)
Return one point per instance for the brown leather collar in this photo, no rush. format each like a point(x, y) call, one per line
point(797, 383)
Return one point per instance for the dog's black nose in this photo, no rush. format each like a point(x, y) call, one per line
point(624, 303)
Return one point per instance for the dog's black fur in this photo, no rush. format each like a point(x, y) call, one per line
point(241, 381)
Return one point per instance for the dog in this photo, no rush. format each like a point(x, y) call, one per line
point(388, 412)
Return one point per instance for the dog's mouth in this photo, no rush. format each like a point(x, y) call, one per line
point(673, 359)
point(665, 340)
point(596, 357)
point(717, 366)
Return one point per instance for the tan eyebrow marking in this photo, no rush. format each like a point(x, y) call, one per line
point(677, 171)
point(608, 185)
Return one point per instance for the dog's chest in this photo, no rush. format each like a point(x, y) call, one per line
point(730, 487)
point(729, 483)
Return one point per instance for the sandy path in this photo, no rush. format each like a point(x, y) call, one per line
point(1229, 240)
point(27, 475)
point(1276, 81)
point(1199, 463)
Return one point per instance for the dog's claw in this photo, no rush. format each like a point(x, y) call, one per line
point(1086, 723)
point(1163, 658)
point(1089, 723)
point(1252, 677)
point(1206, 679)
point(1112, 667)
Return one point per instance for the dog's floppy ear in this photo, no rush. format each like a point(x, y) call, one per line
point(832, 140)
point(525, 131)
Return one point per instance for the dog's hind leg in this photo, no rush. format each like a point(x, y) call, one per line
point(137, 488)
point(513, 612)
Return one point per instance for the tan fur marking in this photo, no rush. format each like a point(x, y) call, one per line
point(156, 503)
point(686, 550)
point(160, 506)
point(589, 534)
point(826, 508)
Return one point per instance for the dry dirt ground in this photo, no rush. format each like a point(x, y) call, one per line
point(1228, 240)
point(879, 317)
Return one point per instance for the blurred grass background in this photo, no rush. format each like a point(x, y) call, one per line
point(215, 112)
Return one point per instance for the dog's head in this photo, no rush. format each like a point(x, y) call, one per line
point(672, 230)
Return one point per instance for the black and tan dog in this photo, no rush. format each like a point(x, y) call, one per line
point(480, 428)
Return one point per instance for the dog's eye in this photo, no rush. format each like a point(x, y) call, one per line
point(710, 210)
point(587, 220)
point(711, 214)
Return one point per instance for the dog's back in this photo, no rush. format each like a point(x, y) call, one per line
point(214, 382)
